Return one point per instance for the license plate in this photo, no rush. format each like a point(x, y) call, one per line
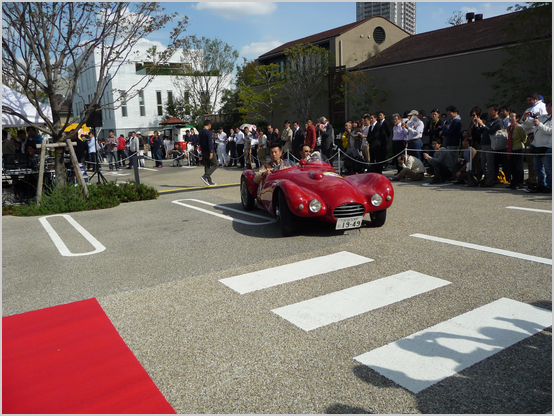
point(351, 222)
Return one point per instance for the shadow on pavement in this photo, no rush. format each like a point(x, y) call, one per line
point(517, 379)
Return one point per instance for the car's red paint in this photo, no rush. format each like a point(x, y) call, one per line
point(318, 180)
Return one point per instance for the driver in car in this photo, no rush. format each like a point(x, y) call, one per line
point(275, 152)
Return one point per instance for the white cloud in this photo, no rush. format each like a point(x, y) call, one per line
point(486, 9)
point(237, 10)
point(256, 49)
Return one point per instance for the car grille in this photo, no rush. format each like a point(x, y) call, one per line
point(349, 210)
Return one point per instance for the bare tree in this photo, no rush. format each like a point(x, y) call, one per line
point(456, 19)
point(43, 43)
point(208, 65)
point(304, 77)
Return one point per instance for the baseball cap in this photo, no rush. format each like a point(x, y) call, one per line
point(413, 112)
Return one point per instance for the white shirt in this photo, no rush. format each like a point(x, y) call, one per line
point(239, 137)
point(539, 108)
point(221, 137)
point(262, 142)
point(92, 144)
point(415, 128)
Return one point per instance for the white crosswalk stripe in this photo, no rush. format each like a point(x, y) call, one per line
point(429, 356)
point(422, 359)
point(335, 307)
point(263, 279)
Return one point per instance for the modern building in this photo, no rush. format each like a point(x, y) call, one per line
point(138, 104)
point(402, 14)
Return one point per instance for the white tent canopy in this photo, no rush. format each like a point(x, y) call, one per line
point(21, 104)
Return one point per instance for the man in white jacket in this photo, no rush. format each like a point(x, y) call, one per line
point(541, 148)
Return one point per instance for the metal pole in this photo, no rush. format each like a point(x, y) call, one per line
point(135, 161)
point(339, 161)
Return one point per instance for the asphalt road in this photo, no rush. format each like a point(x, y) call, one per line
point(211, 349)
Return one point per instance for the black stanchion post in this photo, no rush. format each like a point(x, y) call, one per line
point(135, 160)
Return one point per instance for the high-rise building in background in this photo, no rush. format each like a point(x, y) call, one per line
point(402, 14)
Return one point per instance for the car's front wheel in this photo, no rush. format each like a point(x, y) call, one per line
point(378, 218)
point(247, 200)
point(285, 215)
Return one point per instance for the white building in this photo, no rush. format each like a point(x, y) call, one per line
point(140, 112)
point(402, 14)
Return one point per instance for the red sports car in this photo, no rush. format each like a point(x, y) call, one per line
point(315, 190)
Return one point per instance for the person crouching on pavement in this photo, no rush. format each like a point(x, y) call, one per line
point(275, 152)
point(205, 140)
point(177, 154)
point(412, 168)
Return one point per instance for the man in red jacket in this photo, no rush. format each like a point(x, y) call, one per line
point(121, 143)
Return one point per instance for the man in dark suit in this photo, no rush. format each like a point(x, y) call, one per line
point(384, 136)
point(327, 135)
point(297, 139)
point(373, 139)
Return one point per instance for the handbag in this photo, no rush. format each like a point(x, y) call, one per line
point(499, 140)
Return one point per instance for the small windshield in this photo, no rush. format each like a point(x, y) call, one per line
point(317, 157)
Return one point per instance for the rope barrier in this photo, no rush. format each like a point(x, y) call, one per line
point(337, 154)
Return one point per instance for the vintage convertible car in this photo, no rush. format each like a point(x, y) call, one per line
point(315, 190)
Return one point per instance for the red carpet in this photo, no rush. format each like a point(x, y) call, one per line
point(71, 359)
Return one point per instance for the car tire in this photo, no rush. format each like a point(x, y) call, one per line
point(285, 215)
point(378, 218)
point(247, 200)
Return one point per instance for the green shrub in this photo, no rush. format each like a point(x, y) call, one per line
point(56, 200)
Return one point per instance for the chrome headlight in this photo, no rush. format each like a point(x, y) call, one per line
point(315, 205)
point(376, 200)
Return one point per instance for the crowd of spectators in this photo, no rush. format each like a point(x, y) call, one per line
point(491, 150)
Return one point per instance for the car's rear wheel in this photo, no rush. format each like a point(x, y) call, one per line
point(246, 198)
point(285, 215)
point(378, 218)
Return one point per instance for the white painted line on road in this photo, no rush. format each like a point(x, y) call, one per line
point(429, 356)
point(437, 184)
point(334, 307)
point(116, 174)
point(250, 282)
point(531, 209)
point(62, 248)
point(226, 217)
point(189, 167)
point(153, 170)
point(485, 248)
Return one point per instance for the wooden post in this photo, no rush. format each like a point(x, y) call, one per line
point(41, 173)
point(75, 163)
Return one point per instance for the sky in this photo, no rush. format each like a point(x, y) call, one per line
point(254, 28)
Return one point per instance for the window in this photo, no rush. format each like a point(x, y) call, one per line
point(170, 97)
point(159, 102)
point(141, 104)
point(379, 35)
point(123, 104)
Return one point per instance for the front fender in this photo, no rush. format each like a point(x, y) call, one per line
point(252, 186)
point(298, 199)
point(372, 183)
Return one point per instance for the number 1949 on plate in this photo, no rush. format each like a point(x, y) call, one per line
point(345, 223)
